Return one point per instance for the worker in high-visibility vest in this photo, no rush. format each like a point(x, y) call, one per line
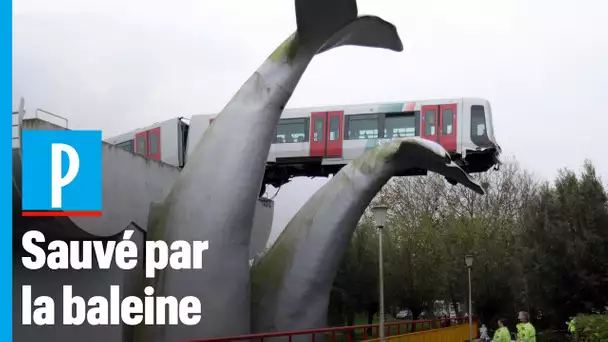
point(502, 333)
point(527, 333)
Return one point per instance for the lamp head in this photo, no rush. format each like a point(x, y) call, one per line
point(468, 259)
point(380, 212)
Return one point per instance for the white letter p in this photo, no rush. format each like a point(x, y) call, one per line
point(57, 181)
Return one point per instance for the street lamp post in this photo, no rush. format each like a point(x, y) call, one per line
point(379, 212)
point(468, 259)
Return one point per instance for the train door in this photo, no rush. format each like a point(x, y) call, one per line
point(429, 125)
point(148, 143)
point(326, 134)
point(141, 143)
point(154, 143)
point(447, 121)
point(438, 123)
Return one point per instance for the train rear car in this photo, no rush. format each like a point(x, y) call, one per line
point(163, 141)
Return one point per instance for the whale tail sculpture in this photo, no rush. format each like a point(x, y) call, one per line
point(325, 25)
point(291, 282)
point(214, 196)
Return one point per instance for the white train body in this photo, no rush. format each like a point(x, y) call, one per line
point(318, 141)
point(164, 141)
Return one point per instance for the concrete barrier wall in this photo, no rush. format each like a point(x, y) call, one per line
point(130, 183)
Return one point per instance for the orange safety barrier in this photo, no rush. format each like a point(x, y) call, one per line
point(458, 333)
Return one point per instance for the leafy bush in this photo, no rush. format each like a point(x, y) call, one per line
point(592, 327)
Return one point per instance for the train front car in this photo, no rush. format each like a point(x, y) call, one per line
point(478, 150)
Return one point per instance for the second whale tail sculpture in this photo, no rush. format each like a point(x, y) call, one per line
point(291, 282)
point(215, 194)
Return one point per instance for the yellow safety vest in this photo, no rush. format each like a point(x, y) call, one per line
point(502, 335)
point(527, 333)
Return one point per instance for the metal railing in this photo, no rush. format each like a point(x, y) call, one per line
point(19, 115)
point(52, 115)
point(347, 333)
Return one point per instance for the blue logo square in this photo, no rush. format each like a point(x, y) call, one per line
point(61, 170)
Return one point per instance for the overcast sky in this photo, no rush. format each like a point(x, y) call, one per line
point(118, 65)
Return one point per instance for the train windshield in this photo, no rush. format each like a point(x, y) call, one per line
point(479, 134)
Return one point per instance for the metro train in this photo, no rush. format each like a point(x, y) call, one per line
point(319, 141)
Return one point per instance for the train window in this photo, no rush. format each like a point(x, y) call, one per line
point(126, 145)
point(362, 127)
point(334, 127)
point(397, 126)
point(447, 122)
point(153, 143)
point(479, 134)
point(429, 126)
point(318, 133)
point(141, 144)
point(291, 131)
point(478, 121)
